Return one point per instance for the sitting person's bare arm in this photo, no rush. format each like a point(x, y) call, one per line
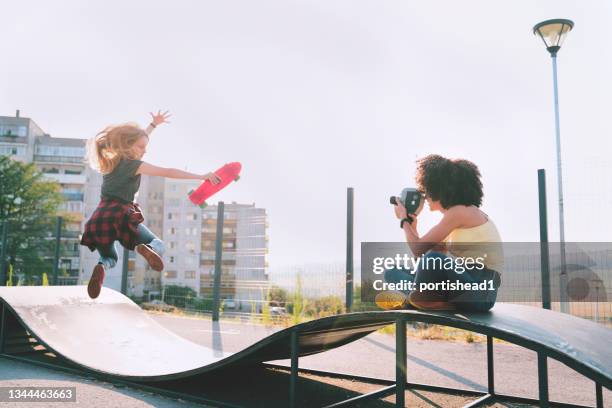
point(434, 238)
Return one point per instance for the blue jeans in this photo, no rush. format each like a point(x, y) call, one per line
point(469, 300)
point(108, 253)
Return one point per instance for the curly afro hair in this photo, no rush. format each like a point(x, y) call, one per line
point(452, 182)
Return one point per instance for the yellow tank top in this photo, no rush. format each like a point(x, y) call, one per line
point(490, 240)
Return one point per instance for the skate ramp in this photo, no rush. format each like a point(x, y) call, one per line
point(114, 336)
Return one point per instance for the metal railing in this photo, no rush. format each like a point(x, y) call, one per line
point(57, 159)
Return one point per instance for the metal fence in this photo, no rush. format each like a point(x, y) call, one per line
point(313, 290)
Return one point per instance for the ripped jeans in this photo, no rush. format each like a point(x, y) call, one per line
point(468, 300)
point(108, 254)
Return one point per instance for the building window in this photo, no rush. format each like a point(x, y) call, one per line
point(189, 274)
point(174, 202)
point(11, 150)
point(75, 206)
point(170, 274)
point(13, 130)
point(171, 259)
point(172, 244)
point(60, 151)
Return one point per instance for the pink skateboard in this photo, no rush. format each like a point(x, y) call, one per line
point(228, 173)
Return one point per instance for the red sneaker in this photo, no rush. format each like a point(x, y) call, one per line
point(95, 282)
point(153, 259)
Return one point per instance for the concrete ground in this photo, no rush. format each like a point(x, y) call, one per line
point(446, 363)
point(89, 392)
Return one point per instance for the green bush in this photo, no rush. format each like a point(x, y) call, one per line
point(179, 296)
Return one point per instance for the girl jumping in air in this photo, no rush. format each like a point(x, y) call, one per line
point(117, 153)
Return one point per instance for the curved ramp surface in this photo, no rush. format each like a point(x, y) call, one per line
point(112, 335)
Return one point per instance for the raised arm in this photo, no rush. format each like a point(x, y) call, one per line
point(156, 120)
point(151, 170)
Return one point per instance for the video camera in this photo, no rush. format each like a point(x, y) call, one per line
point(411, 199)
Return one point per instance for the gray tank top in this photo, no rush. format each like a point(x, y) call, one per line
point(122, 183)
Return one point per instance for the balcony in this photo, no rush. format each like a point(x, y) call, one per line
point(70, 253)
point(67, 280)
point(73, 208)
point(73, 196)
point(67, 178)
point(71, 234)
point(57, 159)
point(226, 256)
point(5, 138)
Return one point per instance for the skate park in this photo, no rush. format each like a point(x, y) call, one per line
point(113, 340)
point(264, 300)
point(61, 337)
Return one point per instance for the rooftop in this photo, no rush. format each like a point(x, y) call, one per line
point(60, 141)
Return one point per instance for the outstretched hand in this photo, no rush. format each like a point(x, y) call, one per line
point(159, 118)
point(212, 177)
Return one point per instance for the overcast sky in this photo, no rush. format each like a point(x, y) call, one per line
point(316, 96)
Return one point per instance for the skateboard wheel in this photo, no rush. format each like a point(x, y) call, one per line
point(237, 178)
point(190, 192)
point(204, 205)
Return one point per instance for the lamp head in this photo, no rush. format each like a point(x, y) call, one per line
point(553, 33)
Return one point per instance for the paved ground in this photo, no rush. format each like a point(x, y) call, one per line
point(90, 393)
point(434, 362)
point(455, 364)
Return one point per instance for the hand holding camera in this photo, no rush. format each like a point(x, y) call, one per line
point(408, 205)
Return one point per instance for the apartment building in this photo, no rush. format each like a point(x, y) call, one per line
point(17, 137)
point(61, 160)
point(244, 277)
point(188, 231)
point(144, 282)
point(190, 236)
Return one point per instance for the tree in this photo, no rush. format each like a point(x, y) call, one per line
point(277, 296)
point(325, 306)
point(29, 204)
point(179, 296)
point(299, 303)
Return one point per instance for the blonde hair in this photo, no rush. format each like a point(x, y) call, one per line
point(108, 147)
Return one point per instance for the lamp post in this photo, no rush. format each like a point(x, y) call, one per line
point(553, 32)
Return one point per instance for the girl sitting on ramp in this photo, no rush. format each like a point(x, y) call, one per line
point(117, 153)
point(463, 250)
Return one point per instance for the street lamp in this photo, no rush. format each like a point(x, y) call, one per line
point(553, 32)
